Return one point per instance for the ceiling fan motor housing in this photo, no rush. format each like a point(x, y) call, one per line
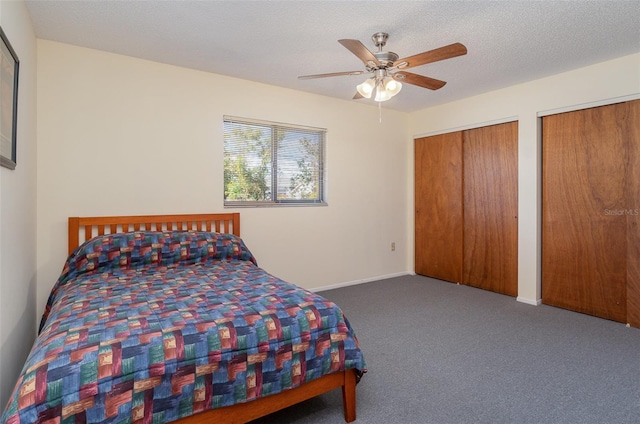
point(386, 59)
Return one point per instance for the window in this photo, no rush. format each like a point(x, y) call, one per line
point(267, 163)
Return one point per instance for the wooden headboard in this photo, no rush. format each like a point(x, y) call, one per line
point(84, 228)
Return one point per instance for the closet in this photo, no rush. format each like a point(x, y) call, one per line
point(466, 185)
point(591, 211)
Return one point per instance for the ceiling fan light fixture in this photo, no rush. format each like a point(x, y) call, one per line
point(392, 86)
point(366, 88)
point(382, 95)
point(387, 87)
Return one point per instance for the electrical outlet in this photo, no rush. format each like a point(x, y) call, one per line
point(393, 246)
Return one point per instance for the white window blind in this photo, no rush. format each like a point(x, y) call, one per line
point(268, 163)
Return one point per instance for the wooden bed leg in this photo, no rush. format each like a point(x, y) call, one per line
point(349, 396)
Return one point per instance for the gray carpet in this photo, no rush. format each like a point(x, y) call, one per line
point(443, 353)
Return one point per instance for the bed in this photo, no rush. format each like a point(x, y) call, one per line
point(169, 319)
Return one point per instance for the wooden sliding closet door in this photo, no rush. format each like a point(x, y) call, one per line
point(590, 236)
point(438, 206)
point(632, 118)
point(491, 208)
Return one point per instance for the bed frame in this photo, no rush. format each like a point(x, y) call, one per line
point(84, 228)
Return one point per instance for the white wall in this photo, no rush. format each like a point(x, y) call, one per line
point(120, 136)
point(603, 83)
point(18, 210)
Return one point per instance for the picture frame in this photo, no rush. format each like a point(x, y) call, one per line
point(9, 67)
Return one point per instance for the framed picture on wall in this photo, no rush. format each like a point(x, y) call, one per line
point(9, 65)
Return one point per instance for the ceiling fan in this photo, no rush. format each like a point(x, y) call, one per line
point(389, 71)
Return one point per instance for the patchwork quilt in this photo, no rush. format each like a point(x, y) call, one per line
point(155, 326)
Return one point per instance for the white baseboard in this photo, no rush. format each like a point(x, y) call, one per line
point(533, 302)
point(355, 282)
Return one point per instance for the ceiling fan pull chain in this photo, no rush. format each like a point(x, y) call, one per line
point(380, 112)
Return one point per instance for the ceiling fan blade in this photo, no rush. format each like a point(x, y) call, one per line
point(442, 53)
point(359, 49)
point(358, 96)
point(333, 74)
point(419, 80)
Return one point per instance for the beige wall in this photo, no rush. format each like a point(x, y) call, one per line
point(18, 210)
point(603, 83)
point(119, 135)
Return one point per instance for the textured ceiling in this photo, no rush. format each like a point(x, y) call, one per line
point(273, 42)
